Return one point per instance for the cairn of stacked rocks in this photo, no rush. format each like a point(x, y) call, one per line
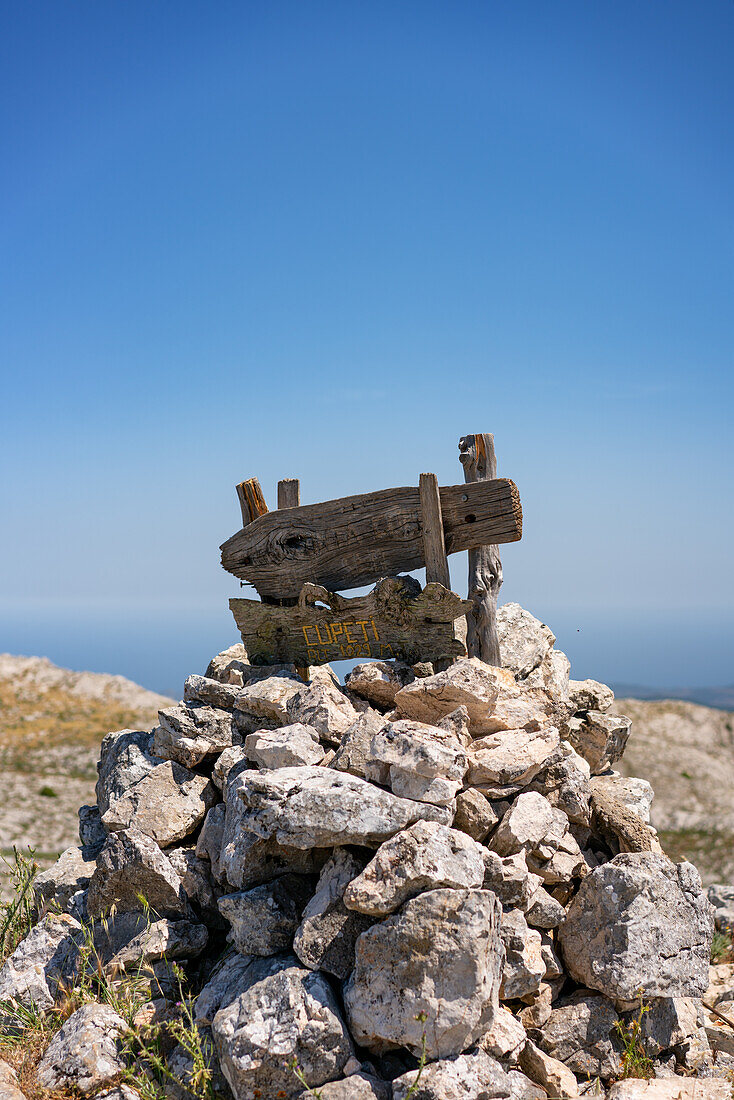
point(416, 865)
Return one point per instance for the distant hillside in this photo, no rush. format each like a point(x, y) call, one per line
point(687, 752)
point(720, 697)
point(51, 723)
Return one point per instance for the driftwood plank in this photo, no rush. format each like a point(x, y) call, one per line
point(289, 492)
point(396, 620)
point(434, 547)
point(485, 567)
point(357, 540)
point(252, 501)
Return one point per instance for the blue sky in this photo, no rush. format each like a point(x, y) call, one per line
point(327, 239)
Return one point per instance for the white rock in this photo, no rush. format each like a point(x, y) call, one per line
point(226, 763)
point(264, 919)
point(524, 968)
point(244, 859)
point(582, 1033)
point(9, 1087)
point(587, 695)
point(86, 1052)
point(312, 807)
point(635, 794)
point(549, 1073)
point(468, 682)
point(472, 1076)
point(524, 640)
point(511, 758)
point(324, 706)
point(328, 932)
point(505, 1038)
point(424, 857)
point(47, 956)
point(440, 955)
point(526, 823)
point(475, 814)
point(672, 1088)
point(599, 738)
point(360, 1086)
point(61, 883)
point(268, 698)
point(424, 762)
point(190, 732)
point(131, 866)
point(553, 675)
point(379, 681)
point(287, 747)
point(509, 878)
point(354, 752)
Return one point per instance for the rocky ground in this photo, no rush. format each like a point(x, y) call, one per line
point(417, 886)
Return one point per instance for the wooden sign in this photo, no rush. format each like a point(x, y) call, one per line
point(397, 620)
point(357, 540)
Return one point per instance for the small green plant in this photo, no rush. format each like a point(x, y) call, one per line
point(18, 915)
point(421, 1018)
point(635, 1060)
point(48, 792)
point(298, 1073)
point(721, 947)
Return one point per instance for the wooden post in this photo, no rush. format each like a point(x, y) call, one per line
point(434, 547)
point(289, 493)
point(485, 568)
point(252, 501)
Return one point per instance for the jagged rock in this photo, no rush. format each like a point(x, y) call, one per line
point(379, 681)
point(282, 1012)
point(328, 931)
point(509, 878)
point(523, 968)
point(721, 897)
point(524, 640)
point(581, 1033)
point(440, 955)
point(85, 1052)
point(244, 859)
point(530, 818)
point(184, 1069)
point(317, 807)
point(161, 798)
point(475, 814)
point(228, 764)
point(324, 706)
point(92, 833)
point(64, 880)
point(471, 1076)
point(672, 1088)
point(639, 922)
point(635, 794)
point(505, 1037)
point(619, 828)
point(599, 738)
point(194, 872)
point(522, 1088)
point(287, 747)
point(47, 956)
point(668, 1022)
point(553, 967)
point(265, 700)
point(264, 919)
point(209, 844)
point(9, 1087)
point(544, 911)
point(424, 857)
point(131, 866)
point(537, 1007)
point(119, 1092)
point(213, 693)
point(233, 659)
point(468, 682)
point(510, 758)
point(424, 762)
point(190, 732)
point(127, 939)
point(565, 781)
point(360, 1086)
point(229, 978)
point(552, 674)
point(557, 1080)
point(354, 752)
point(586, 695)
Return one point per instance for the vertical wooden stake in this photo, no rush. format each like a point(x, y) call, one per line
point(485, 568)
point(252, 501)
point(289, 493)
point(434, 547)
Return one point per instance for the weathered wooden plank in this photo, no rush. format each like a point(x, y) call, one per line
point(357, 540)
point(485, 567)
point(289, 492)
point(434, 547)
point(395, 620)
point(252, 501)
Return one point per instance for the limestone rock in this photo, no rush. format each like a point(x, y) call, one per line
point(564, 779)
point(229, 978)
point(227, 765)
point(635, 794)
point(586, 695)
point(212, 692)
point(472, 1076)
point(85, 1052)
point(505, 1037)
point(132, 865)
point(196, 879)
point(287, 747)
point(511, 757)
point(468, 682)
point(424, 762)
point(425, 856)
point(360, 1086)
point(64, 880)
point(328, 931)
point(639, 922)
point(312, 807)
point(509, 878)
point(267, 698)
point(581, 1033)
point(669, 1022)
point(210, 841)
point(324, 706)
point(128, 939)
point(190, 732)
point(264, 918)
point(530, 818)
point(243, 858)
point(522, 1088)
point(552, 674)
point(92, 833)
point(47, 956)
point(549, 1073)
point(524, 640)
point(283, 1012)
point(9, 1087)
point(544, 911)
point(599, 738)
point(523, 968)
point(721, 897)
point(125, 757)
point(672, 1088)
point(475, 815)
point(233, 659)
point(440, 955)
point(165, 801)
point(537, 1007)
point(379, 681)
point(354, 752)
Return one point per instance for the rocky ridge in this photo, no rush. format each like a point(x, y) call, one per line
point(419, 864)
